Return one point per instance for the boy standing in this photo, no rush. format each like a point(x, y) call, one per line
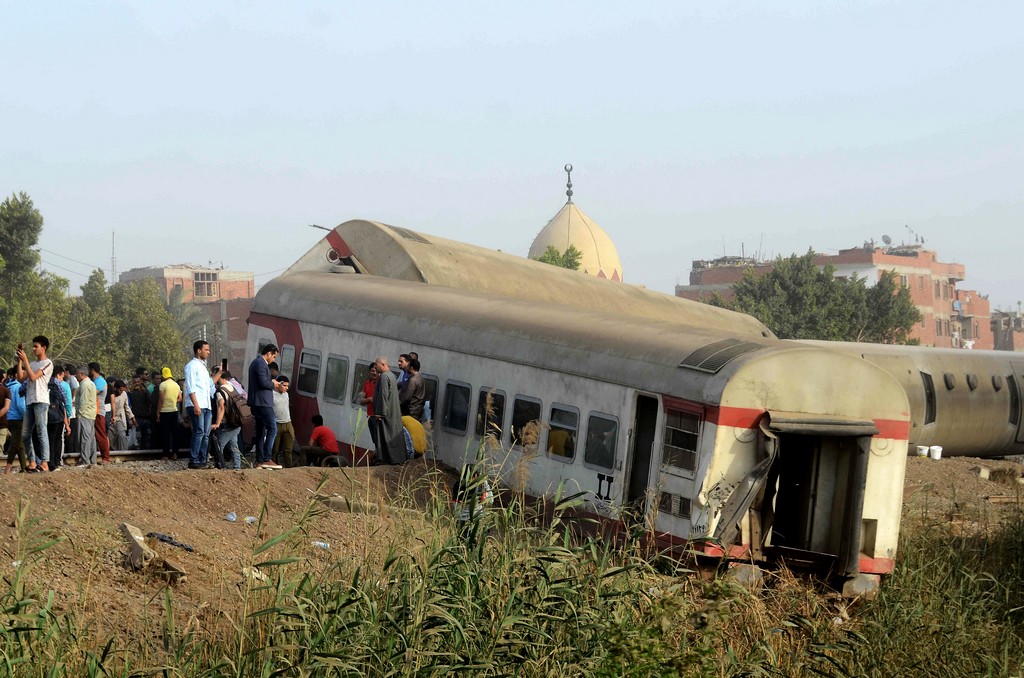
point(37, 398)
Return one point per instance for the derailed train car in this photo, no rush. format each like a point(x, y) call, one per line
point(694, 419)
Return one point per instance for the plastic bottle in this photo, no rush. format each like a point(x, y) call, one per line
point(321, 544)
point(231, 517)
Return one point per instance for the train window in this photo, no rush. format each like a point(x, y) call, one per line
point(359, 377)
point(336, 379)
point(682, 434)
point(286, 361)
point(950, 381)
point(929, 398)
point(997, 383)
point(562, 431)
point(262, 343)
point(490, 413)
point(1014, 400)
point(309, 372)
point(602, 432)
point(525, 421)
point(972, 382)
point(430, 394)
point(456, 407)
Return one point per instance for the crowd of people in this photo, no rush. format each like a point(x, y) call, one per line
point(50, 410)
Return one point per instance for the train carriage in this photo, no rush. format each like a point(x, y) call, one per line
point(700, 431)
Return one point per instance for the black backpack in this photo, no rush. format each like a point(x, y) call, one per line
point(55, 415)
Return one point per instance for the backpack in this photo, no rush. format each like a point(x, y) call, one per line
point(55, 415)
point(236, 409)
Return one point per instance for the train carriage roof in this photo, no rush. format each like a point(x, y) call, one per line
point(591, 343)
point(373, 248)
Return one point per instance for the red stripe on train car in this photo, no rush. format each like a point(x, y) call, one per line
point(335, 240)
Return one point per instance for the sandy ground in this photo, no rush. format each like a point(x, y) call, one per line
point(88, 571)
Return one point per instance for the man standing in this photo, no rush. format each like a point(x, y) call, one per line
point(140, 400)
point(198, 389)
point(403, 370)
point(387, 415)
point(85, 403)
point(58, 418)
point(413, 393)
point(226, 430)
point(102, 442)
point(285, 439)
point(37, 398)
point(15, 419)
point(261, 402)
point(5, 401)
point(167, 408)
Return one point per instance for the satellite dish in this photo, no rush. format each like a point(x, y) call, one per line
point(887, 240)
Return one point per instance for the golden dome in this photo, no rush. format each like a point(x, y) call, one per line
point(572, 227)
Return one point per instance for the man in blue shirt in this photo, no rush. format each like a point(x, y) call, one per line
point(198, 389)
point(15, 417)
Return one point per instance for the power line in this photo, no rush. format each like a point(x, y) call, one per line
point(50, 263)
point(83, 263)
point(257, 275)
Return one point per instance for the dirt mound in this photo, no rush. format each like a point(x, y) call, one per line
point(88, 572)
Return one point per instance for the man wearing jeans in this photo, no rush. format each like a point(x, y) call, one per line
point(225, 429)
point(37, 399)
point(261, 402)
point(198, 389)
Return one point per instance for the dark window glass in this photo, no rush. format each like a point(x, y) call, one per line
point(1014, 399)
point(562, 432)
point(362, 373)
point(456, 407)
point(525, 421)
point(929, 398)
point(337, 378)
point(309, 373)
point(490, 413)
point(430, 395)
point(682, 435)
point(286, 361)
point(602, 432)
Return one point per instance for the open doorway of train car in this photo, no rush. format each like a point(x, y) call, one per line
point(638, 466)
point(817, 483)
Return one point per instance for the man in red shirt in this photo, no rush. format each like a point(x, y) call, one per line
point(321, 443)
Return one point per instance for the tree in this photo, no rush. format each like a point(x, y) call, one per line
point(189, 319)
point(797, 300)
point(146, 329)
point(570, 258)
point(20, 226)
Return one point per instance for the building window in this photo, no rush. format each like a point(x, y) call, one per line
point(204, 284)
point(938, 328)
point(945, 327)
point(976, 330)
point(920, 283)
point(904, 282)
point(682, 433)
point(938, 291)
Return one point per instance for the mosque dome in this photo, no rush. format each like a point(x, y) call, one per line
point(572, 227)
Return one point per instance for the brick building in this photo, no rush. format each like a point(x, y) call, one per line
point(950, 317)
point(224, 296)
point(1008, 328)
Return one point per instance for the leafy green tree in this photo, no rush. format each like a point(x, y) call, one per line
point(146, 329)
point(797, 300)
point(43, 307)
point(570, 258)
point(20, 226)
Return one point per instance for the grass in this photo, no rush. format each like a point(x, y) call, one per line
point(529, 600)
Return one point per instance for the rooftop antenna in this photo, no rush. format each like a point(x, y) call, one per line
point(113, 260)
point(568, 184)
point(887, 240)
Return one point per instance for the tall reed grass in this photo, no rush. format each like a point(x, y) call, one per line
point(528, 599)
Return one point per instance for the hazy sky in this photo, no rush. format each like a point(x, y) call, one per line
point(217, 131)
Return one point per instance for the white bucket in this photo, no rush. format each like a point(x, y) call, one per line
point(922, 450)
point(935, 451)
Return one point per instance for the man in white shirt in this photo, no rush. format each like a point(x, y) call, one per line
point(198, 389)
point(37, 399)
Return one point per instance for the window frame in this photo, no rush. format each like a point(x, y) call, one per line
point(469, 407)
point(427, 380)
point(550, 426)
point(693, 411)
point(284, 349)
point(327, 373)
point(515, 443)
point(320, 368)
point(357, 384)
point(482, 394)
point(594, 414)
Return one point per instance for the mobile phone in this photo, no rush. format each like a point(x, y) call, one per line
point(21, 346)
point(224, 364)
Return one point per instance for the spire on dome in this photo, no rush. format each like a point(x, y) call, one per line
point(568, 185)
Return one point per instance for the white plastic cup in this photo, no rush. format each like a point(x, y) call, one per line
point(922, 450)
point(935, 451)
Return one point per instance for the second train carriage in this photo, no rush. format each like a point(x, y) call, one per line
point(701, 432)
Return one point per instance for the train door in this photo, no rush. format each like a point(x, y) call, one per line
point(814, 499)
point(638, 464)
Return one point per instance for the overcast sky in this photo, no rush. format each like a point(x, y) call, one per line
point(217, 131)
